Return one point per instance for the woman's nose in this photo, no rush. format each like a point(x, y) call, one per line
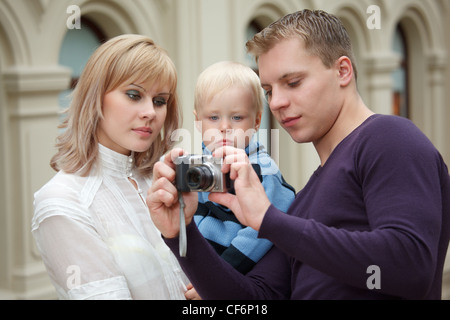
point(148, 111)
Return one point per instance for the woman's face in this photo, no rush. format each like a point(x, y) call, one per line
point(133, 116)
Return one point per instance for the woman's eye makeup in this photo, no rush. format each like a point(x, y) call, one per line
point(133, 95)
point(159, 101)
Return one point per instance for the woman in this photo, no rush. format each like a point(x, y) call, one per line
point(91, 223)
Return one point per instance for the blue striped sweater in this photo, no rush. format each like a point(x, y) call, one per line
point(237, 244)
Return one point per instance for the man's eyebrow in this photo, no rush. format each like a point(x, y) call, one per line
point(293, 74)
point(287, 75)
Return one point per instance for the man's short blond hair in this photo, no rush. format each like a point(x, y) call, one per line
point(323, 34)
point(224, 75)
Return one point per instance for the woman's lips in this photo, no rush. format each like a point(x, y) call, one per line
point(144, 131)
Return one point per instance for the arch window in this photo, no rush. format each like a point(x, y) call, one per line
point(400, 105)
point(78, 45)
point(266, 122)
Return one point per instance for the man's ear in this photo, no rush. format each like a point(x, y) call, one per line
point(345, 68)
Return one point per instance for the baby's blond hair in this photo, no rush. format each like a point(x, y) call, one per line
point(224, 75)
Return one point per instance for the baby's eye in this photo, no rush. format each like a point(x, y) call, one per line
point(133, 95)
point(159, 101)
point(214, 118)
point(236, 118)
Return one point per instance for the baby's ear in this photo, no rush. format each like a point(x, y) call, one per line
point(258, 121)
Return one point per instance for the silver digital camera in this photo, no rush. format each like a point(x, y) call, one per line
point(201, 173)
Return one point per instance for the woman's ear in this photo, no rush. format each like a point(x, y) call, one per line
point(197, 122)
point(345, 68)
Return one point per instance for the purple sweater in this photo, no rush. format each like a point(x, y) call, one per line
point(382, 199)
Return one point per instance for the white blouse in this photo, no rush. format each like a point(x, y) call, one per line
point(97, 239)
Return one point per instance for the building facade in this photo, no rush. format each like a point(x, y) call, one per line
point(403, 56)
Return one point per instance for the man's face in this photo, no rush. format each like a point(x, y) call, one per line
point(303, 94)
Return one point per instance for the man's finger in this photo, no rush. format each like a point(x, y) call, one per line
point(224, 151)
point(173, 154)
point(226, 199)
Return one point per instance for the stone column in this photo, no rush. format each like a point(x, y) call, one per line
point(436, 65)
point(31, 100)
point(379, 67)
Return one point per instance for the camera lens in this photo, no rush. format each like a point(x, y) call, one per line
point(199, 178)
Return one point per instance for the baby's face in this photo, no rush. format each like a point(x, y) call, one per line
point(229, 119)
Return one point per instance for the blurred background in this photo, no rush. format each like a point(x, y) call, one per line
point(402, 49)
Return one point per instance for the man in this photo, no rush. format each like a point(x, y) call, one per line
point(373, 222)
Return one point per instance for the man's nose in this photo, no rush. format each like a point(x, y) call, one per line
point(278, 100)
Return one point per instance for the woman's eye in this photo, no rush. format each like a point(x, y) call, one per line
point(159, 101)
point(133, 95)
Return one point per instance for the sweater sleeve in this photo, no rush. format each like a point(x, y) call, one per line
point(246, 249)
point(399, 175)
point(215, 279)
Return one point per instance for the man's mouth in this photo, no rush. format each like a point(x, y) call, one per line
point(288, 122)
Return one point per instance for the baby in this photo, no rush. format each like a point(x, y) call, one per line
point(228, 109)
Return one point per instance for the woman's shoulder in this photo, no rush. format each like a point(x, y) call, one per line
point(62, 196)
point(64, 186)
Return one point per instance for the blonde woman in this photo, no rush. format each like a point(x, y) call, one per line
point(91, 223)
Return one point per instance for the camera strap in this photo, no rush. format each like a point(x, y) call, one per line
point(182, 238)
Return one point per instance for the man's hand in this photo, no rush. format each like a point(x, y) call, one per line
point(250, 203)
point(162, 198)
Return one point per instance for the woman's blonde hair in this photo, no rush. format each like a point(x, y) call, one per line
point(126, 58)
point(323, 34)
point(223, 75)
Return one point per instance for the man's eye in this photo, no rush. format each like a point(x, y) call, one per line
point(159, 101)
point(133, 95)
point(294, 84)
